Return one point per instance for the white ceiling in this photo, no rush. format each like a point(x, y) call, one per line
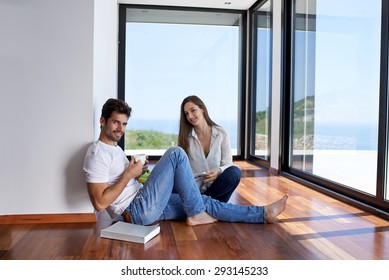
point(216, 4)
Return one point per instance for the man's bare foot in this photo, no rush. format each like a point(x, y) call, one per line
point(274, 209)
point(200, 219)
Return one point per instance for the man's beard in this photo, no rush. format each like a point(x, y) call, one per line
point(112, 136)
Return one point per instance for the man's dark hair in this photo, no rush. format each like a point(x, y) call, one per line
point(115, 105)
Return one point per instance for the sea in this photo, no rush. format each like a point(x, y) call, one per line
point(172, 126)
point(365, 136)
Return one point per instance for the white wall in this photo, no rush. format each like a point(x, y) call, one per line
point(105, 56)
point(50, 81)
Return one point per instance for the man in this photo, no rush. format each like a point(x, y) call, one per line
point(112, 185)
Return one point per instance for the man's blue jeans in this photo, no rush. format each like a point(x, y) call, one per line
point(156, 200)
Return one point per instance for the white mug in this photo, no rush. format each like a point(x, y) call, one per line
point(141, 157)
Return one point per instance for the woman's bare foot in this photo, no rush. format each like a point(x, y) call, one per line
point(200, 219)
point(274, 209)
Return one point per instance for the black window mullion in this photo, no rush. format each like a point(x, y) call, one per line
point(253, 84)
point(383, 107)
point(122, 58)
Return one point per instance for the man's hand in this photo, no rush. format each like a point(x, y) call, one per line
point(134, 169)
point(145, 167)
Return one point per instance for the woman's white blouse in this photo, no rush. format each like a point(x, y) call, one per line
point(219, 155)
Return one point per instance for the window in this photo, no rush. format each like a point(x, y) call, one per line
point(335, 120)
point(168, 54)
point(261, 82)
point(334, 104)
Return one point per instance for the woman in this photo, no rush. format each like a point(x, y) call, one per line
point(208, 148)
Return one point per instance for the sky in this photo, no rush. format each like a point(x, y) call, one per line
point(343, 62)
point(167, 62)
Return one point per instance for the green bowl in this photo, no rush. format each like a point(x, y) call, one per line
point(142, 179)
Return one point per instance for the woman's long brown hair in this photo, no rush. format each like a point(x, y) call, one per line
point(185, 126)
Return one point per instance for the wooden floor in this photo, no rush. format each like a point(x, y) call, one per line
point(312, 227)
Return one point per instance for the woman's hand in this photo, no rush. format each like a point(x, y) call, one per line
point(212, 175)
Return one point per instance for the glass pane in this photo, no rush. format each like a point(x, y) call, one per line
point(169, 56)
point(262, 82)
point(336, 90)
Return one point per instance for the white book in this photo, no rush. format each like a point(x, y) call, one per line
point(130, 232)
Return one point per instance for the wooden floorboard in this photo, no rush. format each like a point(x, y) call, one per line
point(313, 227)
point(47, 218)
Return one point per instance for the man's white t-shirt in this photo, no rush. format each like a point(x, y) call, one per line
point(104, 163)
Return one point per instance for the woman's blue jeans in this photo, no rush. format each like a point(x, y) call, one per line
point(156, 200)
point(225, 184)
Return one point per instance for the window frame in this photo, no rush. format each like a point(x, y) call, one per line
point(241, 99)
point(253, 84)
point(374, 203)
